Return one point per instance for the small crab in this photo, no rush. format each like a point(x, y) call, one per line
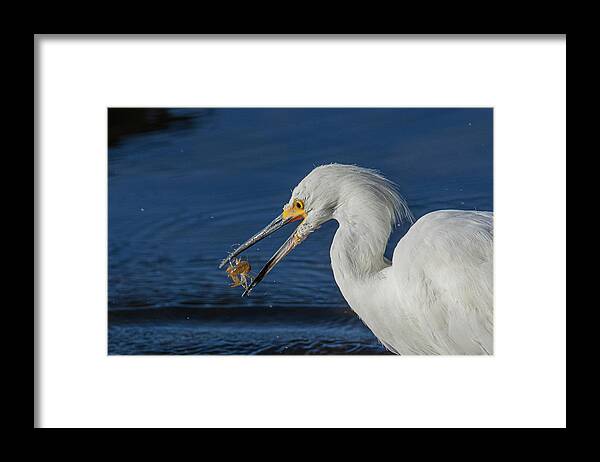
point(239, 272)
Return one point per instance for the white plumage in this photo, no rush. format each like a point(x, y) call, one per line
point(435, 297)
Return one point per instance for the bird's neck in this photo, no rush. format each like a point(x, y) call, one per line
point(357, 251)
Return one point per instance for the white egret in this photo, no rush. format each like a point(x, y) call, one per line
point(435, 297)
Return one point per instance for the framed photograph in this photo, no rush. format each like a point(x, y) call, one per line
point(405, 271)
point(212, 209)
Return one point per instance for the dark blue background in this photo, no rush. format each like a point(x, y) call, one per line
point(186, 185)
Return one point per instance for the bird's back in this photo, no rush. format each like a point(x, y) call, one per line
point(443, 272)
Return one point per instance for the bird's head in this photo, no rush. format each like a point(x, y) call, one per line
point(317, 199)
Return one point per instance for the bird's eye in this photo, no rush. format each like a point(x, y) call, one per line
point(299, 204)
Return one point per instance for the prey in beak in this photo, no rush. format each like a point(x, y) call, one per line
point(291, 212)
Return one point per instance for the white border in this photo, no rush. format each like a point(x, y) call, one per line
point(524, 384)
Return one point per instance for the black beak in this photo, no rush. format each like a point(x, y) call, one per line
point(267, 230)
point(286, 248)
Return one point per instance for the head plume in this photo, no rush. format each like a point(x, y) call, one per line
point(334, 186)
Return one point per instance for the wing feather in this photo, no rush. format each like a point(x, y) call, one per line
point(443, 269)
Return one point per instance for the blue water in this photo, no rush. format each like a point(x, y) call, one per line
point(187, 185)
